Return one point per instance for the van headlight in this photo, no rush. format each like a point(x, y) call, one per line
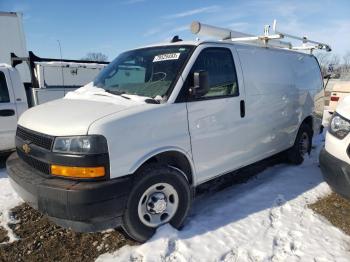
point(340, 127)
point(93, 144)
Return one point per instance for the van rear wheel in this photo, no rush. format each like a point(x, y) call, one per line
point(302, 145)
point(161, 195)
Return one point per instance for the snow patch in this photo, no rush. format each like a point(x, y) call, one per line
point(93, 93)
point(8, 200)
point(266, 219)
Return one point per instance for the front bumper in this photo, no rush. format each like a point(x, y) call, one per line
point(336, 173)
point(81, 206)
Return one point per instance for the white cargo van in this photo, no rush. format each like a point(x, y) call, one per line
point(130, 148)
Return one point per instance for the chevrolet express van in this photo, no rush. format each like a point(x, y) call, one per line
point(129, 148)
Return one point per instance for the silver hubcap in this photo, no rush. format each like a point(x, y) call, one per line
point(158, 205)
point(304, 144)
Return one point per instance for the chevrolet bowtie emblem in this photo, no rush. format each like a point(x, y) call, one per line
point(26, 148)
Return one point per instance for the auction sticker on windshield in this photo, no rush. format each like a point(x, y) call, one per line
point(164, 57)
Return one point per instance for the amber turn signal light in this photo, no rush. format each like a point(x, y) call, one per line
point(77, 172)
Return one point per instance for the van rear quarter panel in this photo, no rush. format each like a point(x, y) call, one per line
point(309, 82)
point(137, 134)
point(280, 88)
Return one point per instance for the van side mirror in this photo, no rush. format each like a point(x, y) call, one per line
point(200, 83)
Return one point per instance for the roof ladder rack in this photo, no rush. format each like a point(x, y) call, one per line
point(304, 39)
point(266, 39)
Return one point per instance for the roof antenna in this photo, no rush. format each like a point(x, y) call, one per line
point(175, 39)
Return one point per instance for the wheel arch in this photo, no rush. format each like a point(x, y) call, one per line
point(307, 120)
point(171, 156)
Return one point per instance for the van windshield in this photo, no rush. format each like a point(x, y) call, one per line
point(148, 72)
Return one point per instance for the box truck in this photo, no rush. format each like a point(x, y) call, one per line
point(27, 80)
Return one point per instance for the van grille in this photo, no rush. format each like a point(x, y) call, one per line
point(35, 163)
point(38, 139)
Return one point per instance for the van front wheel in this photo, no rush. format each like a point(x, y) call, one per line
point(302, 145)
point(161, 195)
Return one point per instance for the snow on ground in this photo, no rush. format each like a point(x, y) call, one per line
point(8, 200)
point(265, 219)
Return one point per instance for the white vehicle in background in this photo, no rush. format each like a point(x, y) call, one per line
point(340, 90)
point(16, 96)
point(13, 41)
point(130, 148)
point(335, 157)
point(34, 82)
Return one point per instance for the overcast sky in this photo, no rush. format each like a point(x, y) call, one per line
point(110, 27)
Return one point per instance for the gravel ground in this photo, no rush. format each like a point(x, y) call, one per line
point(336, 210)
point(3, 236)
point(41, 240)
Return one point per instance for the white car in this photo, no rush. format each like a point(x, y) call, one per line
point(340, 90)
point(130, 148)
point(335, 157)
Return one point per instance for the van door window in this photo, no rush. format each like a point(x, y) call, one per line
point(218, 62)
point(4, 92)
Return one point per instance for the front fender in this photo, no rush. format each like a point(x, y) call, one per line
point(135, 135)
point(158, 151)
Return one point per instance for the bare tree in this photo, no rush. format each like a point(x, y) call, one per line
point(323, 58)
point(324, 61)
point(335, 60)
point(346, 60)
point(95, 56)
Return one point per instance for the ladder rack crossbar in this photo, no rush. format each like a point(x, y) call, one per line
point(255, 38)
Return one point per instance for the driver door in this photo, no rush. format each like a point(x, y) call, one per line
point(217, 120)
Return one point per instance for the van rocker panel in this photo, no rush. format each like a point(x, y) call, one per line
point(81, 206)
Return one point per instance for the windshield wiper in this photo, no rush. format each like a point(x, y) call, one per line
point(115, 92)
point(152, 101)
point(118, 93)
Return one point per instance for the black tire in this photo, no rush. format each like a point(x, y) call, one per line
point(295, 155)
point(148, 176)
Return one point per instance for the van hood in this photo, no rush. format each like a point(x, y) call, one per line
point(343, 107)
point(74, 114)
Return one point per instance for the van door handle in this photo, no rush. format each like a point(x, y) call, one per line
point(242, 108)
point(7, 112)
